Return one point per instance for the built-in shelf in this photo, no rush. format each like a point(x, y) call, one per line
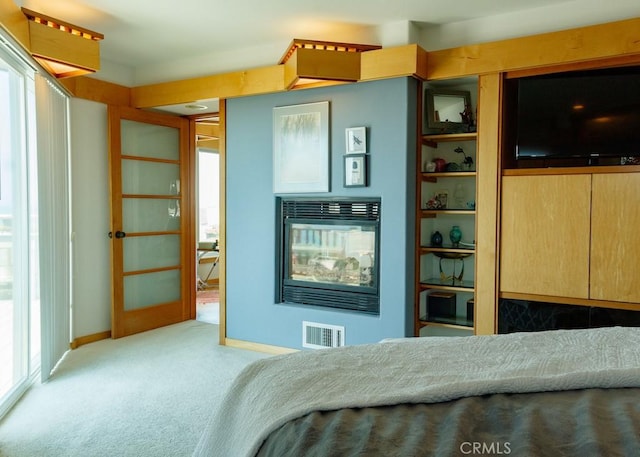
point(433, 176)
point(430, 259)
point(435, 212)
point(447, 250)
point(433, 140)
point(449, 284)
point(461, 323)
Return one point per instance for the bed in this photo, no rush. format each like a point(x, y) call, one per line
point(562, 392)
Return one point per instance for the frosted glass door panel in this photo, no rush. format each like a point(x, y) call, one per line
point(150, 215)
point(141, 177)
point(146, 252)
point(148, 140)
point(142, 291)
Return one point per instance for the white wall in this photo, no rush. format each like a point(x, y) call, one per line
point(90, 218)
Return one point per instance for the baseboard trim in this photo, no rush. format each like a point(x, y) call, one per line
point(82, 340)
point(258, 347)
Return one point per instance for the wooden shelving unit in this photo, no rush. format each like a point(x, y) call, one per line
point(426, 282)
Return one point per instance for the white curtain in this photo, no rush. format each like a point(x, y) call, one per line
point(52, 119)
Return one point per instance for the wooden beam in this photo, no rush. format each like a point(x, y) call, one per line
point(488, 203)
point(98, 91)
point(208, 130)
point(568, 46)
point(15, 22)
point(227, 85)
point(409, 60)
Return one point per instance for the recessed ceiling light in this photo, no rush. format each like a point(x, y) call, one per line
point(195, 106)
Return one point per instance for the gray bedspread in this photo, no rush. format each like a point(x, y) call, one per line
point(271, 392)
point(577, 423)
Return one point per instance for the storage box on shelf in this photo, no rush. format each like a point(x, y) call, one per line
point(447, 199)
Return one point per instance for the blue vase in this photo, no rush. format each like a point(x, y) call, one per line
point(436, 239)
point(455, 235)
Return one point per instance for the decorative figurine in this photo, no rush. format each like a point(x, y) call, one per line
point(467, 163)
point(455, 235)
point(436, 239)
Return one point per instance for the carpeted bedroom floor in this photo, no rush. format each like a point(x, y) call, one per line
point(144, 395)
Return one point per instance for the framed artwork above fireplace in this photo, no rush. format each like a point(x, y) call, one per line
point(301, 148)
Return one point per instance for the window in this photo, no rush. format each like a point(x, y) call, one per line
point(19, 286)
point(34, 224)
point(208, 195)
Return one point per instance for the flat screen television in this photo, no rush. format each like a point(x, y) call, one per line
point(578, 118)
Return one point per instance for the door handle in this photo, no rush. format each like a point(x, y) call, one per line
point(119, 234)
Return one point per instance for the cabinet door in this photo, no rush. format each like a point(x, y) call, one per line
point(545, 235)
point(615, 246)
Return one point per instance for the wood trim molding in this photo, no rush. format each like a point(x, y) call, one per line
point(227, 85)
point(409, 60)
point(488, 203)
point(614, 43)
point(257, 347)
point(15, 22)
point(222, 249)
point(82, 340)
point(571, 301)
point(581, 44)
point(98, 91)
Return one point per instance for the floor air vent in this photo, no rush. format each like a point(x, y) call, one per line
point(319, 336)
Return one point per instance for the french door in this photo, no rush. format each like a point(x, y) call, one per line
point(153, 253)
point(19, 278)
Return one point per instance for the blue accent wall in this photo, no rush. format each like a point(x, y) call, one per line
point(388, 109)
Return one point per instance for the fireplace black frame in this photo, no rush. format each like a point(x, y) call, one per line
point(327, 211)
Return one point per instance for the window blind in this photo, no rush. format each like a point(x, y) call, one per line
point(52, 119)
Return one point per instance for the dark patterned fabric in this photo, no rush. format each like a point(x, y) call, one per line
point(573, 423)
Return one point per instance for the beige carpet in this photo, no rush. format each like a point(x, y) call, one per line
point(144, 395)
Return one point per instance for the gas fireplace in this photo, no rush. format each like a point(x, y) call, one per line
point(329, 253)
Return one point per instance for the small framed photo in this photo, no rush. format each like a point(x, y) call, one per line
point(442, 197)
point(355, 170)
point(356, 138)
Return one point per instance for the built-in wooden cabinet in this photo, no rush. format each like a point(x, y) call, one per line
point(571, 236)
point(545, 229)
point(615, 245)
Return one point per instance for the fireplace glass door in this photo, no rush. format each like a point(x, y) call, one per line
point(334, 254)
point(328, 253)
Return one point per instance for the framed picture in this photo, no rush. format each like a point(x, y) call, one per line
point(442, 197)
point(355, 170)
point(301, 148)
point(356, 138)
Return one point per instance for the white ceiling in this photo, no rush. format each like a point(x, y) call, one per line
point(148, 41)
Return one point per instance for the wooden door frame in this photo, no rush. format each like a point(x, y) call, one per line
point(193, 208)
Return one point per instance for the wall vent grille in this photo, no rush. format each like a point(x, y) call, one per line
point(319, 336)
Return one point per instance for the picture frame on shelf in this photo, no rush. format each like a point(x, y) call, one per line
point(301, 148)
point(443, 196)
point(356, 140)
point(448, 110)
point(355, 170)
